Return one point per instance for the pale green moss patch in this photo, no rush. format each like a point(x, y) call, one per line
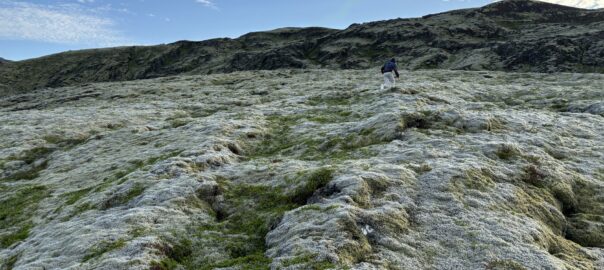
point(16, 212)
point(478, 179)
point(102, 248)
point(507, 151)
point(308, 261)
point(500, 264)
point(123, 198)
point(74, 196)
point(9, 263)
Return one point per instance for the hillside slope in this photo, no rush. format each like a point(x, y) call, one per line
point(511, 35)
point(306, 169)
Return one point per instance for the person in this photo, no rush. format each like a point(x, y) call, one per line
point(389, 70)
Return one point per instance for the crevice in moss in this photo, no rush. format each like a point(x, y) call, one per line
point(586, 215)
point(244, 215)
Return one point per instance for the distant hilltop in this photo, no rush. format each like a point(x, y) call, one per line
point(512, 35)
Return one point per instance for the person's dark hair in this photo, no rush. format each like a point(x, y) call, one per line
point(393, 60)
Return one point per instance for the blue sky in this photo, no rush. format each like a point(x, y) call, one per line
point(33, 28)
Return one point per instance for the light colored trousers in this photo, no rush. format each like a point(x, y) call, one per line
point(389, 80)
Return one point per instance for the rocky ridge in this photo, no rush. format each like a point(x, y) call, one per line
point(510, 35)
point(306, 169)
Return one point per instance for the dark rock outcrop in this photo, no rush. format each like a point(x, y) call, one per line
point(512, 35)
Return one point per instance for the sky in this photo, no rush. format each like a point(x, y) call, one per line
point(34, 28)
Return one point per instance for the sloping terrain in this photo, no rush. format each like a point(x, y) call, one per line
point(306, 169)
point(510, 35)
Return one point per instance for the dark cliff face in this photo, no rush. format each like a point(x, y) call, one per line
point(512, 35)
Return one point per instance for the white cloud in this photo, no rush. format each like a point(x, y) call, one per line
point(65, 24)
point(591, 4)
point(579, 3)
point(207, 3)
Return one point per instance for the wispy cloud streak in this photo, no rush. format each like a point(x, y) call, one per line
point(207, 3)
point(64, 24)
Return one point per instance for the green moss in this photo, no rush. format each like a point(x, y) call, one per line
point(315, 181)
point(534, 202)
point(600, 174)
point(120, 175)
point(505, 265)
point(322, 119)
point(367, 131)
point(9, 264)
point(278, 139)
point(74, 196)
point(338, 147)
point(21, 234)
point(62, 141)
point(102, 248)
point(240, 232)
point(176, 123)
point(82, 208)
point(478, 179)
point(249, 262)
point(137, 232)
point(16, 212)
point(312, 207)
point(31, 155)
point(30, 174)
point(124, 198)
point(586, 219)
point(534, 176)
point(507, 151)
point(461, 223)
point(308, 261)
point(560, 105)
point(337, 100)
point(330, 115)
point(165, 264)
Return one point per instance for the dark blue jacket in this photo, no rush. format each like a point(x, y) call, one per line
point(389, 67)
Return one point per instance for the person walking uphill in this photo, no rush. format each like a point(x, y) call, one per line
point(389, 70)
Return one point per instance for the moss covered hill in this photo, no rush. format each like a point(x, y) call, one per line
point(306, 169)
point(510, 35)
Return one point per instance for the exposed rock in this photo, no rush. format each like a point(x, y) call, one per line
point(306, 169)
point(510, 35)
